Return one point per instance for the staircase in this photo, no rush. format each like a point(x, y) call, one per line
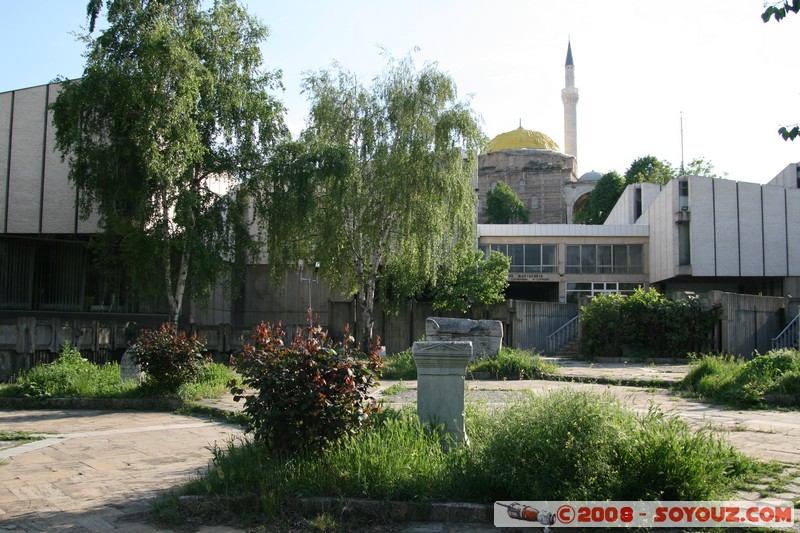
point(789, 337)
point(571, 349)
point(563, 337)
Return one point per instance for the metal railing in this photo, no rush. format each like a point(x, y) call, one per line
point(563, 335)
point(788, 338)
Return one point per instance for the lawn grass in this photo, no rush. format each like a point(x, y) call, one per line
point(765, 380)
point(510, 363)
point(565, 445)
point(72, 376)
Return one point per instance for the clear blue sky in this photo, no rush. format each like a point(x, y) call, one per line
point(638, 65)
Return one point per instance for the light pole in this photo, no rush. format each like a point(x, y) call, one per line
point(309, 280)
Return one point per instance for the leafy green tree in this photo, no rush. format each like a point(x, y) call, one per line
point(503, 206)
point(379, 184)
point(649, 169)
point(601, 200)
point(163, 133)
point(476, 279)
point(700, 167)
point(779, 10)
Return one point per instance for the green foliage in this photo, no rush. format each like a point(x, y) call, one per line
point(779, 10)
point(560, 446)
point(646, 323)
point(765, 379)
point(168, 357)
point(700, 167)
point(70, 375)
point(308, 394)
point(400, 366)
point(476, 279)
point(510, 363)
point(171, 113)
point(503, 206)
point(379, 184)
point(601, 200)
point(513, 363)
point(649, 169)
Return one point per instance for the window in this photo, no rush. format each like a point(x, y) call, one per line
point(637, 203)
point(604, 259)
point(575, 291)
point(528, 258)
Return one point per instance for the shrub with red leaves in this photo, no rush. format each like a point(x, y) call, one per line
point(169, 358)
point(307, 394)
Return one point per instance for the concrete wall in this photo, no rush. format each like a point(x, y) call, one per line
point(663, 244)
point(748, 322)
point(625, 209)
point(788, 177)
point(35, 194)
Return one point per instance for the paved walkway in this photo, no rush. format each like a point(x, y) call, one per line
point(100, 470)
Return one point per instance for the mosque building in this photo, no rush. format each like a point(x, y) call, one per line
point(534, 167)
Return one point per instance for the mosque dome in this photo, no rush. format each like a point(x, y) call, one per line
point(591, 176)
point(522, 138)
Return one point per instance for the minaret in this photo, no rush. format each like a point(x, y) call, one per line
point(569, 95)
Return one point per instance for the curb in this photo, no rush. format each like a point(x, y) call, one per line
point(119, 404)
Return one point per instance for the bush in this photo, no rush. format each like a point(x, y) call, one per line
point(510, 363)
point(560, 446)
point(169, 358)
point(513, 363)
point(400, 366)
point(70, 375)
point(750, 383)
point(307, 394)
point(645, 323)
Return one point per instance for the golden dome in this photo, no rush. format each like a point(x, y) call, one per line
point(522, 138)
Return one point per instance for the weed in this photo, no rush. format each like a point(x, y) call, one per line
point(510, 363)
point(397, 388)
point(563, 445)
point(773, 378)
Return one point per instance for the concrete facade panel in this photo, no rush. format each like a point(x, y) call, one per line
point(774, 216)
point(59, 213)
point(793, 229)
point(25, 183)
point(5, 132)
point(726, 227)
point(751, 231)
point(701, 227)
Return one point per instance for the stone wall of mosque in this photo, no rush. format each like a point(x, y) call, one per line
point(538, 177)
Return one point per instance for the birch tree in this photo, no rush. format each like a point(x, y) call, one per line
point(379, 185)
point(163, 133)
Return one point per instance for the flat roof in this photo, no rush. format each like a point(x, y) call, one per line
point(563, 230)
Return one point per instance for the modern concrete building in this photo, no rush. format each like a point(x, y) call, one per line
point(692, 234)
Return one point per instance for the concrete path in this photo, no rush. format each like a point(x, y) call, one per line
point(99, 470)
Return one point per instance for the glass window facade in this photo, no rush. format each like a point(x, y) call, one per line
point(528, 258)
point(576, 290)
point(604, 259)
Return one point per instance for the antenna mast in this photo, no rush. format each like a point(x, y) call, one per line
point(681, 143)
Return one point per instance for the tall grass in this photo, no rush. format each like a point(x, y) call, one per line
point(72, 376)
point(564, 445)
point(510, 363)
point(765, 379)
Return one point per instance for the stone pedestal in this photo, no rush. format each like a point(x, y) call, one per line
point(441, 367)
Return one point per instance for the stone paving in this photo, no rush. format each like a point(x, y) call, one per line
point(98, 470)
point(101, 470)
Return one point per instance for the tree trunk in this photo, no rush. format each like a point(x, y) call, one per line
point(366, 301)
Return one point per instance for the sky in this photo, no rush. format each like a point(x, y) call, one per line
point(642, 67)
